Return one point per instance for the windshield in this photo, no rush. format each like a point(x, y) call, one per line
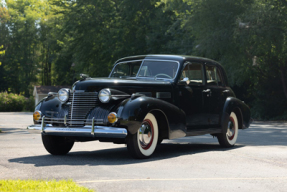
point(149, 69)
point(126, 69)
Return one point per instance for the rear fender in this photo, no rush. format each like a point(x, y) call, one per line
point(241, 110)
point(132, 112)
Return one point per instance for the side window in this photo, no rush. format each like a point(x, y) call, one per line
point(134, 69)
point(194, 73)
point(128, 69)
point(121, 70)
point(213, 76)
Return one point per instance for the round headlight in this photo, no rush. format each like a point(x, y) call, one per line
point(105, 95)
point(63, 95)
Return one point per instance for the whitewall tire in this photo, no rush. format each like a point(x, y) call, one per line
point(142, 144)
point(229, 137)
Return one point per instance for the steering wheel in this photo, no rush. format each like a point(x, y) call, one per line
point(163, 74)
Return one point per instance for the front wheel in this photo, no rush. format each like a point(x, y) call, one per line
point(229, 137)
point(57, 145)
point(143, 143)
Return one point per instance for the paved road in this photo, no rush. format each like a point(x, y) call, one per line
point(257, 163)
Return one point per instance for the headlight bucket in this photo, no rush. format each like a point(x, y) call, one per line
point(63, 95)
point(105, 95)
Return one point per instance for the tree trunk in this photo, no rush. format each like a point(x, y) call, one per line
point(283, 79)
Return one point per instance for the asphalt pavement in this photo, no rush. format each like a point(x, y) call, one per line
point(257, 163)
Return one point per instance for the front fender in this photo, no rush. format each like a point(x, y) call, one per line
point(132, 112)
point(51, 107)
point(242, 111)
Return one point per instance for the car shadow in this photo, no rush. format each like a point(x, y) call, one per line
point(259, 134)
point(119, 156)
point(5, 131)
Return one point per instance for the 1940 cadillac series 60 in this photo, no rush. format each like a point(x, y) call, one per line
point(144, 100)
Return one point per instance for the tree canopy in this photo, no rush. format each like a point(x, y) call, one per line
point(49, 42)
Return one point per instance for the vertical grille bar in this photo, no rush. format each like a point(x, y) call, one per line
point(72, 108)
point(81, 104)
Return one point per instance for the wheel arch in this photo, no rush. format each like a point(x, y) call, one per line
point(163, 124)
point(171, 119)
point(238, 114)
point(241, 110)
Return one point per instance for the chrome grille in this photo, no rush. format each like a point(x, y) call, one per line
point(81, 104)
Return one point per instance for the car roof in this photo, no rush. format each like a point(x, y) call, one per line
point(167, 57)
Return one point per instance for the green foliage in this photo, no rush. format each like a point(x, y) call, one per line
point(49, 42)
point(41, 185)
point(15, 102)
point(11, 102)
point(249, 38)
point(29, 104)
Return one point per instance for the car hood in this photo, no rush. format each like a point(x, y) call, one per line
point(127, 86)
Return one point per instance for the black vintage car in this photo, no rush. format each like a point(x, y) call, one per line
point(144, 100)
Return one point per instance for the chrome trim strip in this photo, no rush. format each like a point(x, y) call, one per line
point(99, 131)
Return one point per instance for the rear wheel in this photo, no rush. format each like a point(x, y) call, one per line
point(143, 143)
point(57, 145)
point(229, 137)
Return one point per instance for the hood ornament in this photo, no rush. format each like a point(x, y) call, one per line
point(84, 76)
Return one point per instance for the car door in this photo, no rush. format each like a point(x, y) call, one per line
point(191, 101)
point(214, 94)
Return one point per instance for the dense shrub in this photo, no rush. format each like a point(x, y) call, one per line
point(29, 104)
point(14, 102)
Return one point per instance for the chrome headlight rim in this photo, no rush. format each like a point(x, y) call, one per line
point(63, 94)
point(105, 95)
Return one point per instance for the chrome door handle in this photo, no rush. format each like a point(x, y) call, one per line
point(226, 91)
point(206, 91)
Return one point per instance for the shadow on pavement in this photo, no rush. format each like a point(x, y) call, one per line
point(118, 156)
point(259, 134)
point(6, 131)
point(264, 134)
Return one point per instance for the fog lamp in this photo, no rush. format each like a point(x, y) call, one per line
point(37, 115)
point(112, 117)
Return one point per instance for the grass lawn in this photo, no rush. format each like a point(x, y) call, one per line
point(41, 185)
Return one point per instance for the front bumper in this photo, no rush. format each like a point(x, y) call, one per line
point(86, 131)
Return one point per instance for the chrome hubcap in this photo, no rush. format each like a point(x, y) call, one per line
point(230, 129)
point(146, 134)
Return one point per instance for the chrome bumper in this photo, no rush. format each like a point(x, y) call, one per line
point(86, 131)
